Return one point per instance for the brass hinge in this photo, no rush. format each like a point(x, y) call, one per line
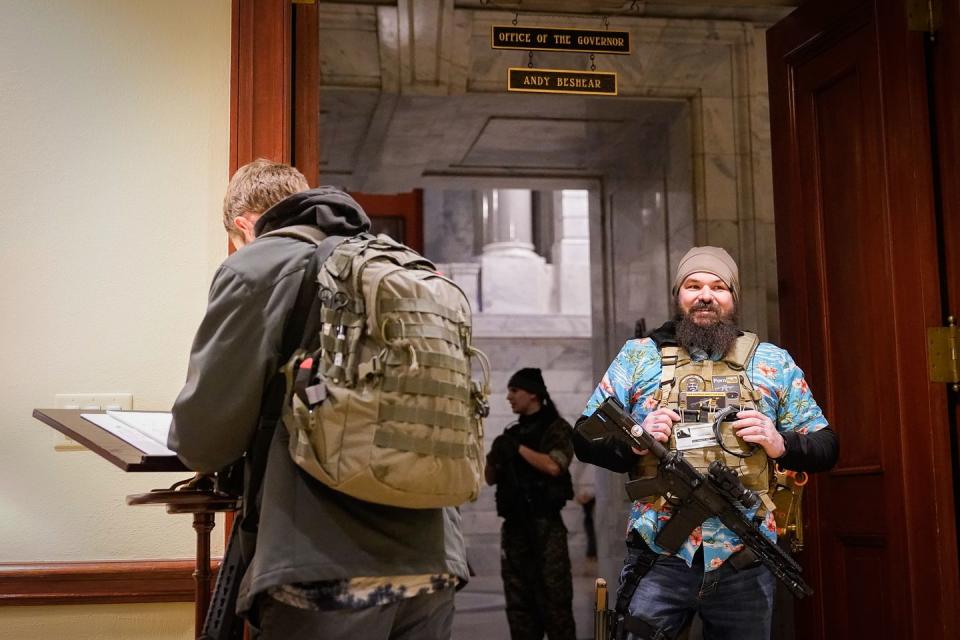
point(943, 353)
point(303, 1)
point(924, 15)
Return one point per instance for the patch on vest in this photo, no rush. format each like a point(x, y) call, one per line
point(729, 385)
point(703, 400)
point(692, 382)
point(694, 436)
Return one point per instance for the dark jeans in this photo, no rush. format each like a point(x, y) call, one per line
point(733, 605)
point(428, 617)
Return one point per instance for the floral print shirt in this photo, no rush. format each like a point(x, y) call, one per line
point(634, 377)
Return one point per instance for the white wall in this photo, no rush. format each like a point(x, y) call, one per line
point(114, 122)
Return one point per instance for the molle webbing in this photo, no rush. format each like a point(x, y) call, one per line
point(738, 356)
point(393, 331)
point(426, 387)
point(411, 305)
point(423, 446)
point(420, 415)
point(442, 361)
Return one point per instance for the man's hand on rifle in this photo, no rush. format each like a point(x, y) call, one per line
point(659, 424)
point(753, 426)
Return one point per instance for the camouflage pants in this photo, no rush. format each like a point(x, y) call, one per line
point(536, 579)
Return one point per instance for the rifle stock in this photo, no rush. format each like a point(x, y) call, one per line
point(695, 496)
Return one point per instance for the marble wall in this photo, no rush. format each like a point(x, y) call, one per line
point(448, 225)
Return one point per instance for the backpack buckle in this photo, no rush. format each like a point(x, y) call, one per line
point(480, 403)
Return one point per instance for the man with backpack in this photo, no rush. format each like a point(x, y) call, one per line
point(528, 463)
point(325, 563)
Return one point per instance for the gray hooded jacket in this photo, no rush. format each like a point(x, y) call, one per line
point(308, 532)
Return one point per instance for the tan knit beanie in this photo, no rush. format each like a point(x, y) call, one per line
point(709, 260)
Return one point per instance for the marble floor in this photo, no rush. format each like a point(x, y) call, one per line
point(480, 606)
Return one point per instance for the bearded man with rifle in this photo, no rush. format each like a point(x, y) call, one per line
point(699, 413)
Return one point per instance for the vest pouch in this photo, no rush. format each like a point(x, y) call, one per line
point(317, 435)
point(754, 469)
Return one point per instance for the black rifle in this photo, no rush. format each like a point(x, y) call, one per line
point(695, 496)
point(222, 622)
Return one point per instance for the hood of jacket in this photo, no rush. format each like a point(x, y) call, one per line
point(329, 208)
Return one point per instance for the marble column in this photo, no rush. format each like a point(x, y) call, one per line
point(571, 252)
point(507, 221)
point(514, 279)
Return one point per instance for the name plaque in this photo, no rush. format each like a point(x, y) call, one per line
point(595, 83)
point(560, 39)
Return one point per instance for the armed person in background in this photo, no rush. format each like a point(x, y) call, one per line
point(324, 564)
point(689, 366)
point(528, 463)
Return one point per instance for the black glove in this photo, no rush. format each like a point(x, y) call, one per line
point(503, 449)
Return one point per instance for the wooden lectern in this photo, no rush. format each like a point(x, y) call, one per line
point(196, 495)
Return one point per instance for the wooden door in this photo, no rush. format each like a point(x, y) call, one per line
point(399, 215)
point(860, 281)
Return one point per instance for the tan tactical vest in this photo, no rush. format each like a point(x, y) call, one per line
point(697, 391)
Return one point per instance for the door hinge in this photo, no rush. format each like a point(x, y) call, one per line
point(924, 15)
point(943, 353)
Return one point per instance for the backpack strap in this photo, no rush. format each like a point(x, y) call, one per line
point(294, 333)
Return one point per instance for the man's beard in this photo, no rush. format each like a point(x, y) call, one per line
point(714, 338)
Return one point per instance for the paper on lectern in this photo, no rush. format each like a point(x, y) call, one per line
point(145, 430)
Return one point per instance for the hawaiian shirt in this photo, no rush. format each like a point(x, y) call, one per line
point(360, 593)
point(634, 377)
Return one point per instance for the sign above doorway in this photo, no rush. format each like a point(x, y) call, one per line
point(534, 80)
point(560, 39)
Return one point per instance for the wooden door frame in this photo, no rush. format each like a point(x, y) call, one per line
point(927, 479)
point(944, 55)
point(275, 84)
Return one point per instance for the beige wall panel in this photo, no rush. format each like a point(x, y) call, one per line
point(114, 118)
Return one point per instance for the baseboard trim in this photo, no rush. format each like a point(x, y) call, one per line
point(53, 583)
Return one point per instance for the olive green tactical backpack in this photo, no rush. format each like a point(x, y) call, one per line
point(380, 403)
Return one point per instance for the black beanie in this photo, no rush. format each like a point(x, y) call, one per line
point(530, 379)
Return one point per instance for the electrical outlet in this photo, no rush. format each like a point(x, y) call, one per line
point(94, 401)
point(89, 402)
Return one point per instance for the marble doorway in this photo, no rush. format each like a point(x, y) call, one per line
point(412, 97)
